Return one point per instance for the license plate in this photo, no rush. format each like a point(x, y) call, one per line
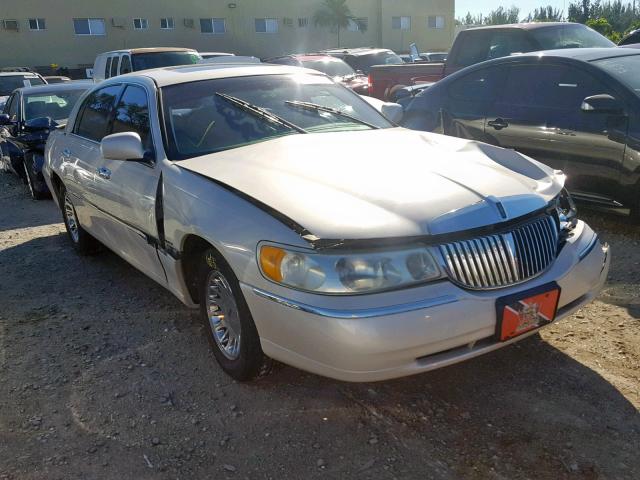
point(525, 311)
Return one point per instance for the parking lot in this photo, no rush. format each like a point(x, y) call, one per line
point(106, 375)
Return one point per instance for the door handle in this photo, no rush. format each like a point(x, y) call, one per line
point(66, 153)
point(498, 123)
point(104, 173)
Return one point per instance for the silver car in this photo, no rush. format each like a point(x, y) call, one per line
point(311, 230)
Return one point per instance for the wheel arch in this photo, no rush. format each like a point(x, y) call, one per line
point(193, 246)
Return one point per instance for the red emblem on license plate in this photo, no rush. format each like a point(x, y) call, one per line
point(520, 315)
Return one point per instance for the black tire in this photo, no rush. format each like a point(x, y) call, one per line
point(31, 182)
point(82, 242)
point(248, 362)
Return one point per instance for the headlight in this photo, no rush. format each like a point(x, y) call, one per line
point(567, 211)
point(348, 273)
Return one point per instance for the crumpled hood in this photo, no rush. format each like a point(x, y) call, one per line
point(384, 183)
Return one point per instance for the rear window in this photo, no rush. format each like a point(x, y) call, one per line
point(569, 36)
point(10, 83)
point(478, 46)
point(365, 62)
point(144, 61)
point(332, 67)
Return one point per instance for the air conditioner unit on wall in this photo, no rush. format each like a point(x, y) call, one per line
point(188, 22)
point(118, 22)
point(12, 25)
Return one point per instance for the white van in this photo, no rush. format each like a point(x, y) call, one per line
point(119, 62)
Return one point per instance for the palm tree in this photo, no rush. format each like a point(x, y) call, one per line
point(336, 14)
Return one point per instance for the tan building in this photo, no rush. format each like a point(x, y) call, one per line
point(70, 33)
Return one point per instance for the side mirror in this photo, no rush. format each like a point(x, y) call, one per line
point(122, 146)
point(393, 111)
point(5, 119)
point(40, 123)
point(602, 103)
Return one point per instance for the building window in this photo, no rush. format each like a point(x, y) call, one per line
point(212, 25)
point(436, 21)
point(167, 24)
point(36, 24)
point(266, 25)
point(140, 23)
point(401, 23)
point(354, 25)
point(89, 26)
point(303, 22)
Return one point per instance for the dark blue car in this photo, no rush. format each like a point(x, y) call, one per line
point(29, 115)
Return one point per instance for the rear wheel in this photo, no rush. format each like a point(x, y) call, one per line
point(82, 242)
point(227, 320)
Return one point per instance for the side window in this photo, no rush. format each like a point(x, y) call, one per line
point(132, 115)
point(107, 68)
point(114, 66)
point(477, 46)
point(93, 122)
point(125, 65)
point(481, 85)
point(549, 86)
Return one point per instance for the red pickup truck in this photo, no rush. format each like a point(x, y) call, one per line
point(476, 45)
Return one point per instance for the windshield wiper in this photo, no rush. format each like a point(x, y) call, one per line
point(334, 111)
point(260, 112)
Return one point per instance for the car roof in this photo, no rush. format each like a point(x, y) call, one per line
point(18, 74)
point(523, 26)
point(583, 54)
point(55, 87)
point(150, 50)
point(357, 51)
point(307, 57)
point(209, 71)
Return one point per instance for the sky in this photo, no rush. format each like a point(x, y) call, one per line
point(526, 6)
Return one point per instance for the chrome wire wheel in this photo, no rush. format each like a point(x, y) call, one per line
point(70, 217)
point(224, 318)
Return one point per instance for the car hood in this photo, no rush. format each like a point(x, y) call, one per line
point(384, 183)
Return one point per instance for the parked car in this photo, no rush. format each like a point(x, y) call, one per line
point(28, 117)
point(476, 45)
point(334, 67)
point(362, 59)
point(207, 55)
point(632, 38)
point(311, 230)
point(434, 56)
point(120, 62)
point(575, 110)
point(57, 79)
point(10, 80)
point(231, 59)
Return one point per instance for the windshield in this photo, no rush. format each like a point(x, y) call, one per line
point(55, 105)
point(365, 62)
point(333, 67)
point(569, 36)
point(625, 69)
point(199, 120)
point(145, 61)
point(10, 83)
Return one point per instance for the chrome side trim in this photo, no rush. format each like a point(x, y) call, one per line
point(353, 314)
point(590, 246)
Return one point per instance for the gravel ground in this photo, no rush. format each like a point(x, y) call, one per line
point(104, 374)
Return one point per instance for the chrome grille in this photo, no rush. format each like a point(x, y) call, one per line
point(503, 259)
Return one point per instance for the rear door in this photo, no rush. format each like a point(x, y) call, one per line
point(538, 113)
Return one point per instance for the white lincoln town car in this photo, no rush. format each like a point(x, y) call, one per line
point(311, 230)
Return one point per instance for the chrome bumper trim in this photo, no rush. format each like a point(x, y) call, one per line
point(353, 314)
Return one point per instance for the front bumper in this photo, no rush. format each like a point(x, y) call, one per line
point(394, 334)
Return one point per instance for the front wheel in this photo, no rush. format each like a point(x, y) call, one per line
point(82, 242)
point(227, 320)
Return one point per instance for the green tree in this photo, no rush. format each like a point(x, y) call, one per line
point(501, 16)
point(545, 14)
point(336, 15)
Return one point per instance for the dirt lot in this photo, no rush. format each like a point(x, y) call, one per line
point(104, 374)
